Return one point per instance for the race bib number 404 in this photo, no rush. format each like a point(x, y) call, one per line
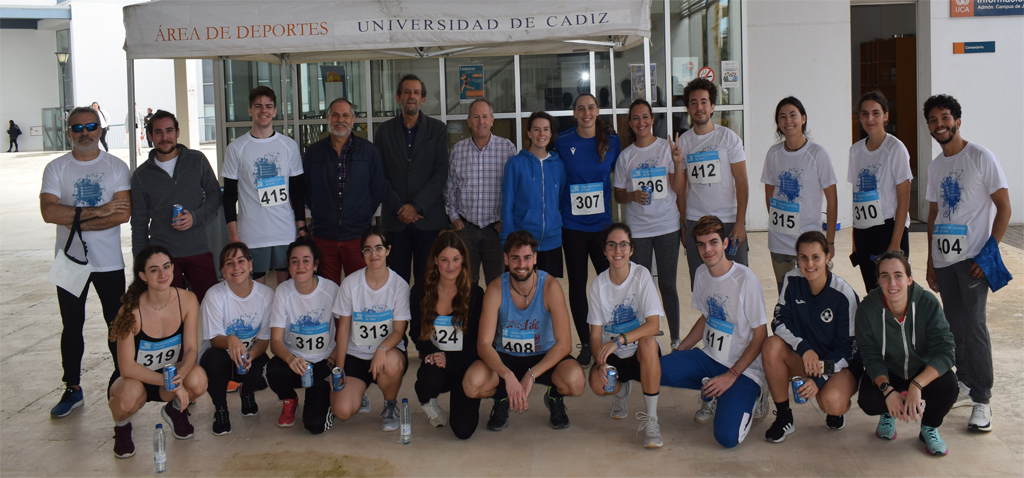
point(446, 337)
point(272, 191)
point(950, 242)
point(518, 341)
point(371, 328)
point(867, 210)
point(718, 338)
point(157, 355)
point(587, 199)
point(654, 178)
point(310, 338)
point(704, 168)
point(784, 217)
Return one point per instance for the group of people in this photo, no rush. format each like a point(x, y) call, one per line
point(513, 212)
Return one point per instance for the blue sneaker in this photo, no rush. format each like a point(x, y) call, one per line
point(933, 443)
point(886, 427)
point(71, 400)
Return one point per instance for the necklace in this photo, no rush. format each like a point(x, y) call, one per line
point(784, 145)
point(527, 295)
point(163, 306)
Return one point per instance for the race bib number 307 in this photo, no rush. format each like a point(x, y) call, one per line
point(587, 199)
point(272, 191)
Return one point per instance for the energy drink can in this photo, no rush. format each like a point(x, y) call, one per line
point(242, 370)
point(646, 189)
point(337, 379)
point(733, 247)
point(797, 383)
point(176, 210)
point(613, 378)
point(307, 378)
point(704, 381)
point(169, 372)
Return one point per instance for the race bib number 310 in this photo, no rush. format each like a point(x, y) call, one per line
point(587, 199)
point(272, 191)
point(950, 242)
point(867, 210)
point(654, 178)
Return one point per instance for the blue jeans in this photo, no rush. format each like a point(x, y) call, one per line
point(735, 412)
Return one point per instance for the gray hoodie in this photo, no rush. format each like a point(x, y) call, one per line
point(154, 193)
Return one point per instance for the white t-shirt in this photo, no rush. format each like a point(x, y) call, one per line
point(962, 185)
point(373, 312)
point(624, 307)
point(168, 165)
point(709, 159)
point(879, 170)
point(733, 306)
point(262, 168)
point(89, 184)
point(306, 319)
point(800, 178)
point(225, 313)
point(650, 165)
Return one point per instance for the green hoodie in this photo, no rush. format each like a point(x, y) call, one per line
point(889, 347)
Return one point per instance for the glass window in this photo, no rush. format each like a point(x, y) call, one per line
point(629, 82)
point(385, 75)
point(499, 78)
point(603, 73)
point(240, 77)
point(708, 34)
point(458, 130)
point(311, 133)
point(552, 82)
point(322, 83)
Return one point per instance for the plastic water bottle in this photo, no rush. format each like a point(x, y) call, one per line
point(406, 421)
point(159, 449)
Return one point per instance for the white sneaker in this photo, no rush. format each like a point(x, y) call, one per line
point(675, 345)
point(620, 409)
point(435, 414)
point(981, 418)
point(364, 406)
point(963, 396)
point(706, 414)
point(761, 407)
point(651, 429)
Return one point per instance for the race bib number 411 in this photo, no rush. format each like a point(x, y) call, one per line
point(718, 338)
point(272, 191)
point(587, 199)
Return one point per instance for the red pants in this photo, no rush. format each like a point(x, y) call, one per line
point(198, 270)
point(338, 255)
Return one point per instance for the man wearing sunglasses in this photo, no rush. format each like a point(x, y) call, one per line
point(94, 185)
point(344, 186)
point(175, 175)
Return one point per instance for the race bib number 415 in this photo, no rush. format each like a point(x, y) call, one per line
point(587, 199)
point(654, 178)
point(272, 191)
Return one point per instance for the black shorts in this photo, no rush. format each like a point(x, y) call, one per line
point(550, 261)
point(627, 368)
point(358, 368)
point(520, 365)
point(854, 366)
point(153, 392)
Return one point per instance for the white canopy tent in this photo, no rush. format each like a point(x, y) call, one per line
point(314, 31)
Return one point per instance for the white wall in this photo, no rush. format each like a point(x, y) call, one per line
point(31, 81)
point(802, 49)
point(987, 85)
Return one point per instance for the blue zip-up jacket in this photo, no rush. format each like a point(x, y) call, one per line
point(530, 191)
point(583, 166)
point(823, 323)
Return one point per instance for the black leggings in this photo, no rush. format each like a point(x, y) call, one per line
point(103, 138)
point(220, 369)
point(874, 241)
point(938, 396)
point(576, 246)
point(432, 381)
point(110, 287)
point(316, 408)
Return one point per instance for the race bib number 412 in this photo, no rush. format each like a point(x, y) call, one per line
point(704, 168)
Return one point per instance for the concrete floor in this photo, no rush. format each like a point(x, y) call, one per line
point(33, 444)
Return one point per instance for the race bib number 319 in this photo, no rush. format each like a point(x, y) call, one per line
point(157, 355)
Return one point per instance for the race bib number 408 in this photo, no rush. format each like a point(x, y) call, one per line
point(587, 199)
point(654, 178)
point(518, 341)
point(272, 191)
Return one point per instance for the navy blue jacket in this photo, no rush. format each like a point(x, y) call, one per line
point(823, 323)
point(364, 189)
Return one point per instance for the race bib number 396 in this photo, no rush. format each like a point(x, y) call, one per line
point(654, 178)
point(272, 191)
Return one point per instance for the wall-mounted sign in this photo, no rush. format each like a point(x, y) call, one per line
point(974, 47)
point(985, 8)
point(471, 83)
point(707, 73)
point(35, 130)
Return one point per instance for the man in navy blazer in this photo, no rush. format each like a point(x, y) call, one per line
point(414, 149)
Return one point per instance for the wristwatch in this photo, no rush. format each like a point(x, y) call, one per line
point(883, 387)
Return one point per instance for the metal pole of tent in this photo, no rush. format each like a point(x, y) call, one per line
point(284, 94)
point(296, 102)
point(132, 138)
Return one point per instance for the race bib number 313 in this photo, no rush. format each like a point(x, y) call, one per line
point(371, 328)
point(272, 191)
point(587, 199)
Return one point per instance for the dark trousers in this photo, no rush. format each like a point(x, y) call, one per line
point(14, 145)
point(338, 255)
point(963, 302)
point(316, 408)
point(411, 246)
point(484, 247)
point(874, 241)
point(666, 249)
point(431, 381)
point(198, 271)
point(220, 369)
point(110, 287)
point(577, 246)
point(103, 138)
point(938, 396)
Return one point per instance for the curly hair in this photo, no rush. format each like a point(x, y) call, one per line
point(700, 84)
point(943, 102)
point(124, 323)
point(460, 304)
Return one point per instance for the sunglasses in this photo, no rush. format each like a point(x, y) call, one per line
point(77, 128)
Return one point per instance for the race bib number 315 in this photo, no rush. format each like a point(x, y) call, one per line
point(272, 191)
point(784, 217)
point(587, 199)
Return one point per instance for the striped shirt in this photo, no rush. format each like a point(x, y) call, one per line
point(473, 192)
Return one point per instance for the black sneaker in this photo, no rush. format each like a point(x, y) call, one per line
point(499, 415)
point(584, 357)
point(181, 428)
point(249, 407)
point(835, 422)
point(556, 405)
point(221, 423)
point(782, 427)
point(124, 447)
